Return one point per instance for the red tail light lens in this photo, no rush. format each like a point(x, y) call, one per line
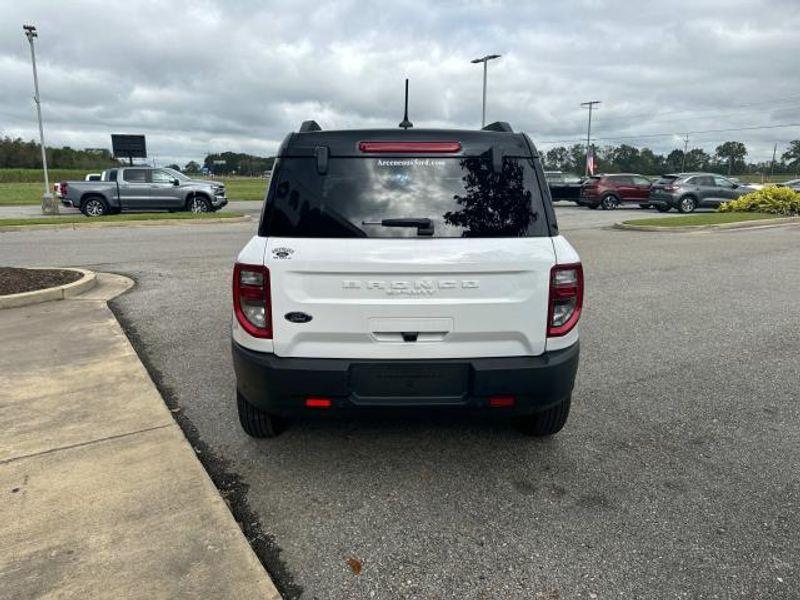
point(319, 402)
point(566, 298)
point(502, 401)
point(251, 299)
point(410, 147)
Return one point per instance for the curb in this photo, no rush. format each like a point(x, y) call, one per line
point(759, 224)
point(133, 223)
point(68, 290)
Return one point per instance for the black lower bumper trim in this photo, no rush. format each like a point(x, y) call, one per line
point(281, 385)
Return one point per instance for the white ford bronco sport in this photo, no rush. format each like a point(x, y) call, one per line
point(406, 269)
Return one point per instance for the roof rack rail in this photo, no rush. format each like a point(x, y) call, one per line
point(307, 126)
point(501, 126)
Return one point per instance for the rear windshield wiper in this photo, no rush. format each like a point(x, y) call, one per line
point(424, 226)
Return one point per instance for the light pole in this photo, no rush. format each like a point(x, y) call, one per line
point(484, 60)
point(591, 104)
point(49, 206)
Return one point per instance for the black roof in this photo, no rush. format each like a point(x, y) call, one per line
point(345, 142)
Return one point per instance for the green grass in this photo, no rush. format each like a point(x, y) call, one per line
point(701, 219)
point(37, 176)
point(15, 194)
point(245, 188)
point(181, 216)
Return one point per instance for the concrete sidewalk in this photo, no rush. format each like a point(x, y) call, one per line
point(101, 496)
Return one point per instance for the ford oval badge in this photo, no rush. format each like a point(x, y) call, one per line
point(297, 317)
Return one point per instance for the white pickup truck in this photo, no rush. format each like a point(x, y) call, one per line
point(142, 189)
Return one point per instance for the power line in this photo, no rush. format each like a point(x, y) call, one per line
point(673, 133)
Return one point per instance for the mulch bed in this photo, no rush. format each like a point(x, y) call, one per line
point(16, 281)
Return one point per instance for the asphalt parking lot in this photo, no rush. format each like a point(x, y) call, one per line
point(676, 475)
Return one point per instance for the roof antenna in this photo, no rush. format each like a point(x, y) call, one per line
point(406, 123)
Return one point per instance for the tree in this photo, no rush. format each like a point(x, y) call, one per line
point(674, 160)
point(174, 167)
point(792, 155)
point(733, 153)
point(577, 158)
point(697, 159)
point(191, 167)
point(557, 159)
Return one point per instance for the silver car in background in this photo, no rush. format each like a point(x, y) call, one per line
point(142, 188)
point(688, 191)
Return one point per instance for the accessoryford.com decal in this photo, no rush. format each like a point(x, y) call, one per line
point(411, 162)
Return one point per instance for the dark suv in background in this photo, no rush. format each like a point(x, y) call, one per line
point(609, 191)
point(688, 191)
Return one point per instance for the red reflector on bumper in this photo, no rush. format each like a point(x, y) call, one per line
point(501, 401)
point(318, 402)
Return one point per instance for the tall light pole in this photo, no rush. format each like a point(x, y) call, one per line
point(685, 150)
point(484, 60)
point(591, 104)
point(49, 206)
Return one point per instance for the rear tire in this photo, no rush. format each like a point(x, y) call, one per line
point(94, 206)
point(546, 422)
point(255, 422)
point(609, 202)
point(687, 204)
point(662, 208)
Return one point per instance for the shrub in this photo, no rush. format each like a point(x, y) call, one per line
point(773, 200)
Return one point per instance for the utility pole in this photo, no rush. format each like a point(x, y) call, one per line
point(484, 60)
point(685, 150)
point(772, 166)
point(49, 205)
point(591, 104)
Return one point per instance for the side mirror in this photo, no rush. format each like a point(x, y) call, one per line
point(176, 181)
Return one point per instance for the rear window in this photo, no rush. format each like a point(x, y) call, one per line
point(666, 180)
point(461, 197)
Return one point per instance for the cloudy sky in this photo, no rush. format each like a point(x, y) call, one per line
point(238, 75)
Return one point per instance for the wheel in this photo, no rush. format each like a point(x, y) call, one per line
point(662, 207)
point(547, 422)
point(94, 207)
point(255, 422)
point(609, 202)
point(687, 204)
point(644, 205)
point(198, 204)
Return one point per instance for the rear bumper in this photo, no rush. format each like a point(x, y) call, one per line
point(281, 385)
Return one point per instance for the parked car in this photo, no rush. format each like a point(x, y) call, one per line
point(563, 186)
point(142, 188)
point(792, 183)
point(93, 177)
point(688, 191)
point(409, 269)
point(609, 191)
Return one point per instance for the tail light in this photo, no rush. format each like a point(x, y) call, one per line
point(566, 298)
point(669, 188)
point(251, 299)
point(63, 187)
point(319, 402)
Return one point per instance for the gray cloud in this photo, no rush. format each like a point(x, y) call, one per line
point(200, 76)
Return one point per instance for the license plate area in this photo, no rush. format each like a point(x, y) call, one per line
point(393, 384)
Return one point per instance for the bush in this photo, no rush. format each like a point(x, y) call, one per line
point(773, 200)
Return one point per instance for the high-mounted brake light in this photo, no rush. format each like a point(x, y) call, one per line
point(251, 299)
point(566, 299)
point(409, 147)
